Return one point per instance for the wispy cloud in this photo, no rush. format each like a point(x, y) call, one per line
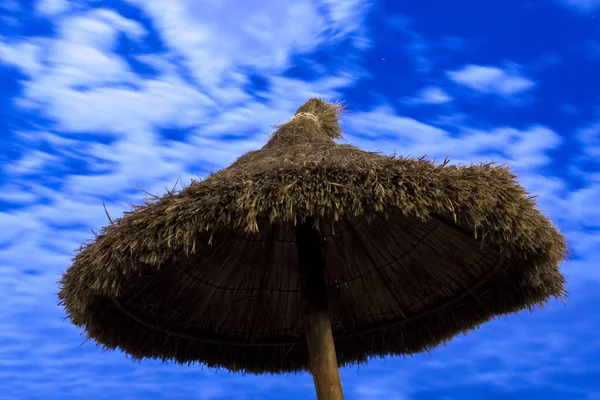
point(418, 47)
point(93, 123)
point(430, 95)
point(589, 137)
point(251, 35)
point(52, 7)
point(33, 162)
point(491, 80)
point(105, 128)
point(525, 150)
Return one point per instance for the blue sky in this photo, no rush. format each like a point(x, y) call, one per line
point(97, 97)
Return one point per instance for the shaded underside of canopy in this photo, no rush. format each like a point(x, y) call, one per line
point(415, 253)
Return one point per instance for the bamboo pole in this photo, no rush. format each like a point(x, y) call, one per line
point(319, 337)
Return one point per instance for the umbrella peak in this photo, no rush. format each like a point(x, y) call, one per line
point(315, 118)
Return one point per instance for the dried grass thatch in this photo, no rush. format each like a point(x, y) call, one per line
point(415, 254)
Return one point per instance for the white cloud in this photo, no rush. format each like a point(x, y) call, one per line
point(98, 28)
point(492, 80)
point(589, 138)
point(12, 193)
point(346, 20)
point(83, 55)
point(91, 93)
point(251, 35)
point(584, 207)
point(384, 130)
point(128, 109)
point(52, 7)
point(24, 55)
point(14, 223)
point(33, 162)
point(575, 211)
point(431, 95)
point(523, 149)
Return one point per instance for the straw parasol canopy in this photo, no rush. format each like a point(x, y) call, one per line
point(392, 255)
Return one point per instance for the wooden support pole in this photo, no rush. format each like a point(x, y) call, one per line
point(321, 348)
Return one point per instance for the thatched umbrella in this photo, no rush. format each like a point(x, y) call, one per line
point(263, 266)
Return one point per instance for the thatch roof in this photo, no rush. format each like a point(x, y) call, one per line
point(415, 254)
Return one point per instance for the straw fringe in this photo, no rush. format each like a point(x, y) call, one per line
point(217, 259)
